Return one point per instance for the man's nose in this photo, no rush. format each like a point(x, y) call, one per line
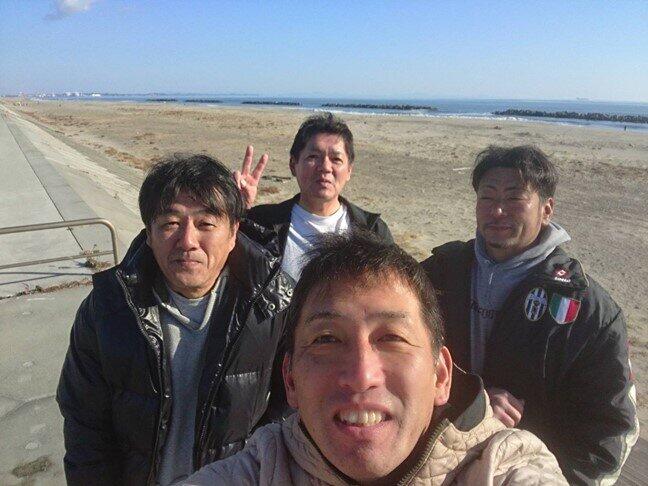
point(326, 164)
point(187, 237)
point(498, 208)
point(362, 369)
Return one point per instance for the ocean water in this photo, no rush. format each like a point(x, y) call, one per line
point(456, 108)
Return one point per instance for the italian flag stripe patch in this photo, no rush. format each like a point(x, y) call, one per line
point(563, 309)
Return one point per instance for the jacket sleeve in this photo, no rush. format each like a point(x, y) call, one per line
point(599, 424)
point(84, 400)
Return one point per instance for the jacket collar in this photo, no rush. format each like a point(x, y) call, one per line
point(282, 213)
point(460, 256)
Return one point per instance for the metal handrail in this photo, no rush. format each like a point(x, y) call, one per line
point(63, 224)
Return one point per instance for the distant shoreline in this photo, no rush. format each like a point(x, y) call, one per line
point(572, 115)
point(601, 115)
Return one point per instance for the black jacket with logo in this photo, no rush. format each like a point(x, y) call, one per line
point(575, 377)
point(115, 388)
point(276, 217)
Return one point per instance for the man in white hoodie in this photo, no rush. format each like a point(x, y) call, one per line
point(549, 342)
point(377, 401)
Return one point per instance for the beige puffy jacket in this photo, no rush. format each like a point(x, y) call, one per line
point(467, 447)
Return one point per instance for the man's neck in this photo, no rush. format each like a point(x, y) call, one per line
point(318, 207)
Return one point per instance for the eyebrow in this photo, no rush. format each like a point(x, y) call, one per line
point(199, 213)
point(385, 315)
point(509, 188)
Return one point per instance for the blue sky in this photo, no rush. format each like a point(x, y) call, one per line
point(405, 49)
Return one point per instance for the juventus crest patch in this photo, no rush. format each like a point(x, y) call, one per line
point(535, 304)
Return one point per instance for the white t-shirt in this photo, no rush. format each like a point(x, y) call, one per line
point(304, 229)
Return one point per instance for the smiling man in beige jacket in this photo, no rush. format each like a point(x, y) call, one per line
point(376, 397)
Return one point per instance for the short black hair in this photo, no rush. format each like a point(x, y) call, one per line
point(322, 123)
point(202, 177)
point(360, 256)
point(535, 167)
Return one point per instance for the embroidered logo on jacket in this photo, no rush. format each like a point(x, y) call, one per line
point(535, 304)
point(562, 275)
point(563, 309)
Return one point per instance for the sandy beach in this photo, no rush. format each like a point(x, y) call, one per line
point(414, 171)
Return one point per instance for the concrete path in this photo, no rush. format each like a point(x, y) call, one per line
point(35, 333)
point(35, 189)
point(44, 180)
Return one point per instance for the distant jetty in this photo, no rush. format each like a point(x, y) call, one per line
point(277, 103)
point(202, 100)
point(162, 100)
point(575, 116)
point(380, 107)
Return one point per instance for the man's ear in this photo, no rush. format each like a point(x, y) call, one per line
point(148, 236)
point(547, 211)
point(289, 383)
point(232, 240)
point(291, 164)
point(443, 377)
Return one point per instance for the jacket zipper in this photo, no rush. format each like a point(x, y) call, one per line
point(140, 325)
point(226, 358)
point(217, 379)
point(441, 426)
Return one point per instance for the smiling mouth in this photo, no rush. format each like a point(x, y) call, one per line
point(361, 418)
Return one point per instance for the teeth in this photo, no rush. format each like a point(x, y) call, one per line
point(364, 418)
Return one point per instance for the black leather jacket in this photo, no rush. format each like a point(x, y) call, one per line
point(115, 388)
point(276, 218)
point(575, 377)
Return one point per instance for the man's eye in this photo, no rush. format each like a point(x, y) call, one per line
point(393, 338)
point(206, 225)
point(325, 339)
point(169, 224)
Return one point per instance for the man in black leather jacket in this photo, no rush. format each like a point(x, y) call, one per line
point(549, 342)
point(171, 356)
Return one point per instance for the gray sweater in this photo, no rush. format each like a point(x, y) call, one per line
point(185, 326)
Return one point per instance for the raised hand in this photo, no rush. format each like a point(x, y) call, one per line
point(247, 180)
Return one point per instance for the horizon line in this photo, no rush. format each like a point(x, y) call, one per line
point(320, 95)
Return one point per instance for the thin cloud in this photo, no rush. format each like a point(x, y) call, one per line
point(66, 8)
